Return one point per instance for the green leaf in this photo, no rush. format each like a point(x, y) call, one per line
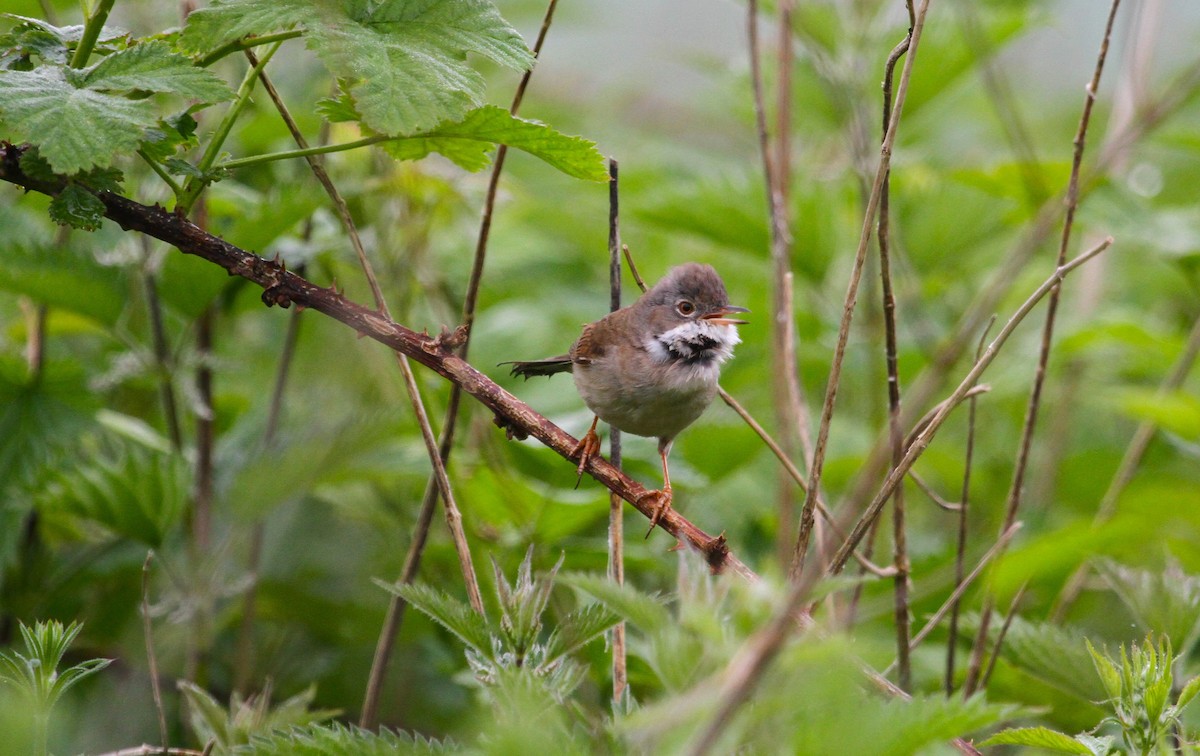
point(324, 740)
point(65, 277)
point(1051, 653)
point(1176, 411)
point(1038, 737)
point(75, 206)
point(154, 67)
point(469, 142)
point(1188, 693)
point(1109, 676)
point(404, 61)
point(579, 628)
point(643, 610)
point(451, 614)
point(121, 486)
point(74, 127)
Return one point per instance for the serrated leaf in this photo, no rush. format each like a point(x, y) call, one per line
point(205, 714)
point(1188, 693)
point(154, 67)
point(1038, 737)
point(75, 206)
point(579, 628)
point(324, 740)
point(645, 611)
point(121, 486)
point(1110, 678)
point(74, 128)
point(469, 142)
point(1165, 602)
point(404, 61)
point(450, 613)
point(338, 109)
point(1054, 654)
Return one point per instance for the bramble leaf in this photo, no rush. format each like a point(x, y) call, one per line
point(153, 67)
point(74, 127)
point(404, 60)
point(469, 142)
point(75, 206)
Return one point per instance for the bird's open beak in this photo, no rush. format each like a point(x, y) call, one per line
point(717, 317)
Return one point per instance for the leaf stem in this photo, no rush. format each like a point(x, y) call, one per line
point(305, 152)
point(245, 43)
point(162, 174)
point(191, 190)
point(91, 33)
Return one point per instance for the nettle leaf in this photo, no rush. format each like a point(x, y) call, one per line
point(154, 67)
point(75, 206)
point(469, 143)
point(404, 60)
point(1038, 737)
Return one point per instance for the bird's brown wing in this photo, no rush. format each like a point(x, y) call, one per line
point(591, 343)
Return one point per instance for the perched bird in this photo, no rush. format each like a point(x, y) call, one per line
point(651, 368)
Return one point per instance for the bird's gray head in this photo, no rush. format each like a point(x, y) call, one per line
point(687, 312)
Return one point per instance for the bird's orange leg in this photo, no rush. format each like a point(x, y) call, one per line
point(587, 446)
point(661, 499)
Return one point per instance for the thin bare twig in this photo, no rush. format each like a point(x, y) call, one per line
point(835, 371)
point(960, 547)
point(1033, 406)
point(412, 560)
point(899, 535)
point(1008, 618)
point(923, 439)
point(453, 515)
point(960, 588)
point(797, 476)
point(284, 288)
point(616, 509)
point(1175, 95)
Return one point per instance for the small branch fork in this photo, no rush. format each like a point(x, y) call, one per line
point(283, 288)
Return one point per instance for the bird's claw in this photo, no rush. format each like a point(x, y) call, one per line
point(587, 446)
point(661, 502)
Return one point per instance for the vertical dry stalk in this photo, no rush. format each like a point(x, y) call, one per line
point(899, 536)
point(835, 370)
point(923, 389)
point(1033, 407)
point(453, 515)
point(921, 442)
point(960, 548)
point(416, 548)
point(616, 507)
point(776, 159)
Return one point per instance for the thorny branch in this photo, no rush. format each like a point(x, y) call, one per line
point(284, 288)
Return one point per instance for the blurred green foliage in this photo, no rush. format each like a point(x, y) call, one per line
point(312, 504)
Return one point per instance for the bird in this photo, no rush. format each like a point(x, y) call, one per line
point(651, 368)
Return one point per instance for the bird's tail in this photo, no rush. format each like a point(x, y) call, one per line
point(547, 367)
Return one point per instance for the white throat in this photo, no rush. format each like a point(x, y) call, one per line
point(697, 343)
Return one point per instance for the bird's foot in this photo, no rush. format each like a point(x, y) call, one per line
point(587, 446)
point(660, 501)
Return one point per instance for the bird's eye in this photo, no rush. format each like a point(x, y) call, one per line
point(685, 307)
